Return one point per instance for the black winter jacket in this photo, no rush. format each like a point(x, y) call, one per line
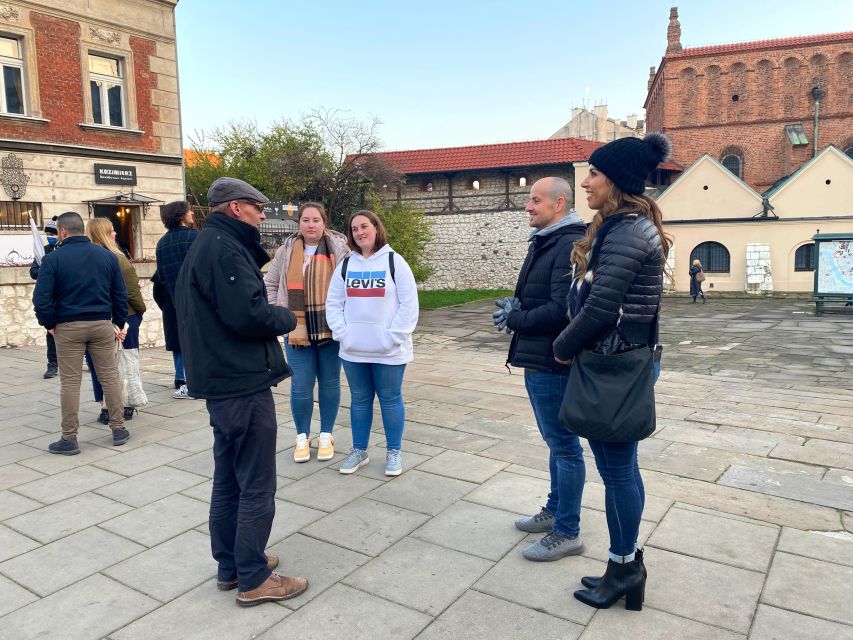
point(627, 279)
point(542, 288)
point(228, 330)
point(80, 282)
point(35, 266)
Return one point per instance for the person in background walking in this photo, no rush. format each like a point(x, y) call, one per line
point(615, 298)
point(372, 309)
point(298, 278)
point(81, 298)
point(101, 232)
point(697, 277)
point(542, 288)
point(52, 243)
point(171, 250)
point(229, 334)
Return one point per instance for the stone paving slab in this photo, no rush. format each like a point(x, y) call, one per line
point(113, 543)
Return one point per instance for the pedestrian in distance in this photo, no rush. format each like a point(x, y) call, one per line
point(614, 304)
point(171, 250)
point(536, 315)
point(229, 336)
point(52, 243)
point(80, 297)
point(101, 232)
point(697, 277)
point(372, 309)
point(298, 278)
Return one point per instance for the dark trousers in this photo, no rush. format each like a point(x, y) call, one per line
point(242, 504)
point(51, 350)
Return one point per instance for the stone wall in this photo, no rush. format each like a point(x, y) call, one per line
point(18, 326)
point(477, 250)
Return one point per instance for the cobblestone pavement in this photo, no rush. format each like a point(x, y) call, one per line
point(747, 526)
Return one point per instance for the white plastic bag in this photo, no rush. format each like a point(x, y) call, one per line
point(130, 380)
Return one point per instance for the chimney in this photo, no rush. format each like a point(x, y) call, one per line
point(673, 33)
point(651, 77)
point(632, 121)
point(601, 111)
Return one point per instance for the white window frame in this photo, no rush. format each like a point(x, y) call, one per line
point(106, 82)
point(18, 63)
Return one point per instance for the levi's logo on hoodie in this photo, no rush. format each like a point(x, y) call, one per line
point(366, 284)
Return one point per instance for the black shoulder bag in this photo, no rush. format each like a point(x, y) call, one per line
point(610, 396)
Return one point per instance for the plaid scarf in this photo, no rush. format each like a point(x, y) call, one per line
point(307, 296)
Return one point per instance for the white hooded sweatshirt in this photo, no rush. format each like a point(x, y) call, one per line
point(371, 314)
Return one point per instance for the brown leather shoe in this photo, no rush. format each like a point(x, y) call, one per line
point(227, 585)
point(276, 587)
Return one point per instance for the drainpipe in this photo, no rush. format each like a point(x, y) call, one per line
point(816, 94)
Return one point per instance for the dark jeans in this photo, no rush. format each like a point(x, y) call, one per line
point(242, 504)
point(131, 341)
point(624, 494)
point(565, 455)
point(51, 350)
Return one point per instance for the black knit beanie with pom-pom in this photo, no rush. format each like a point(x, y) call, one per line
point(628, 162)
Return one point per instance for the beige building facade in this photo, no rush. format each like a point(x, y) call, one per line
point(598, 126)
point(752, 242)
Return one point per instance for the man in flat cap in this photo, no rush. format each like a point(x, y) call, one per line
point(229, 336)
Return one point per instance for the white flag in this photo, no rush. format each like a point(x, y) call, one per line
point(38, 246)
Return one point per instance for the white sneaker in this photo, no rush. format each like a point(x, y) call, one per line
point(183, 393)
point(302, 451)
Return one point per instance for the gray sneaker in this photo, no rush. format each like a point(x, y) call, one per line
point(541, 522)
point(393, 463)
point(356, 459)
point(553, 547)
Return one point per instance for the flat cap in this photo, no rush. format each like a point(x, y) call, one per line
point(228, 189)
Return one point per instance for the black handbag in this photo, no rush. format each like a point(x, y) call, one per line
point(610, 397)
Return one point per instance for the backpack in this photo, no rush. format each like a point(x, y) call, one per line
point(390, 267)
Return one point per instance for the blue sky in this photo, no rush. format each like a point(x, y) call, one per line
point(446, 73)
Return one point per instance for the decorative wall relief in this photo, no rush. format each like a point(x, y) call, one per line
point(107, 37)
point(9, 14)
point(12, 177)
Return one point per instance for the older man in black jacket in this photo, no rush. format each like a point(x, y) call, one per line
point(541, 293)
point(229, 336)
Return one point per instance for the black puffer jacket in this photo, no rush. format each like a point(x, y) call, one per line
point(228, 330)
point(542, 287)
point(628, 276)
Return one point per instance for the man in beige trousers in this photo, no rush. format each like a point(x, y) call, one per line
point(81, 299)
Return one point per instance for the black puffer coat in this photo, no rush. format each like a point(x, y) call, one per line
point(542, 287)
point(628, 276)
point(228, 330)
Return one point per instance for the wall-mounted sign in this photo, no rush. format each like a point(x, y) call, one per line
point(280, 210)
point(115, 174)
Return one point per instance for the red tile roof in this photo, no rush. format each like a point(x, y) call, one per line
point(492, 156)
point(777, 43)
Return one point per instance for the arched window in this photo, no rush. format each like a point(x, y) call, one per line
point(713, 256)
point(474, 184)
point(522, 181)
point(734, 163)
point(849, 152)
point(804, 258)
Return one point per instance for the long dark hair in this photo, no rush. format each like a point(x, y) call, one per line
point(618, 202)
point(376, 222)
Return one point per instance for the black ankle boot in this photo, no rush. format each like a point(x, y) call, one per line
point(618, 580)
point(591, 582)
point(128, 413)
point(104, 416)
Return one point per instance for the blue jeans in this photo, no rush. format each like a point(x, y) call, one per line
point(565, 456)
point(309, 364)
point(131, 341)
point(368, 380)
point(624, 494)
point(178, 359)
point(242, 502)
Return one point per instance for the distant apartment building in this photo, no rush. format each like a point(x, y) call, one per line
point(596, 125)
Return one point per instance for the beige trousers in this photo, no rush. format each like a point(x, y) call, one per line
point(72, 340)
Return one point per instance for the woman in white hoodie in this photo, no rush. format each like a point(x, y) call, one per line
point(372, 310)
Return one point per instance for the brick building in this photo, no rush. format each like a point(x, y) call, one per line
point(762, 108)
point(89, 115)
point(89, 122)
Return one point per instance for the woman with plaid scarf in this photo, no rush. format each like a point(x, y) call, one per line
point(298, 278)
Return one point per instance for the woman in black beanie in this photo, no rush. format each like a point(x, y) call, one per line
point(614, 307)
